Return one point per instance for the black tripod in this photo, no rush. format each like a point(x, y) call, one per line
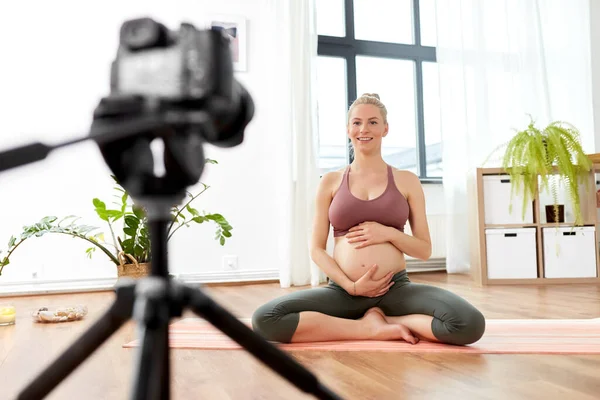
point(124, 126)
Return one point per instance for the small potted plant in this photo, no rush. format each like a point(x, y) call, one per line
point(553, 155)
point(130, 249)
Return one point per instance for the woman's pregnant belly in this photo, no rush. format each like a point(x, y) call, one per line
point(356, 262)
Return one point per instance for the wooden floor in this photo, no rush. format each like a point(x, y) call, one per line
point(26, 348)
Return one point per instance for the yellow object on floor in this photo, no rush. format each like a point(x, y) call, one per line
point(7, 315)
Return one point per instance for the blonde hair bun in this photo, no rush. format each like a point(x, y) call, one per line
point(369, 98)
point(371, 95)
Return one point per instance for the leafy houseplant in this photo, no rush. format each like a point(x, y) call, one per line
point(134, 240)
point(553, 151)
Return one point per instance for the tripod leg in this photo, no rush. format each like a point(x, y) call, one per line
point(152, 375)
point(260, 348)
point(90, 341)
point(152, 311)
point(165, 361)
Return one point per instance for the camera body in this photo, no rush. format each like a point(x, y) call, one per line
point(186, 75)
point(177, 86)
point(189, 64)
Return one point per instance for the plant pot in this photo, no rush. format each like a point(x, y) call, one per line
point(133, 269)
point(550, 214)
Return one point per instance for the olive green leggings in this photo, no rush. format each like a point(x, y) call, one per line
point(455, 321)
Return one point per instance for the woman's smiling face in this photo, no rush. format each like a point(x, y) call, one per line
point(366, 127)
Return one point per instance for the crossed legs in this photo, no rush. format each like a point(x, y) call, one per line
point(409, 312)
point(433, 313)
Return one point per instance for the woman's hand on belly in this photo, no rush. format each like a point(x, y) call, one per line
point(356, 262)
point(369, 287)
point(368, 233)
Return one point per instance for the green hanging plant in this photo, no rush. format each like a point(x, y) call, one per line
point(534, 154)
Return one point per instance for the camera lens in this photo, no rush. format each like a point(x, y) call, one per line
point(143, 33)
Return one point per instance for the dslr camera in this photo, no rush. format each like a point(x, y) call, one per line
point(175, 85)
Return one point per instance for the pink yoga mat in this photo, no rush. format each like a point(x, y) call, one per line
point(502, 336)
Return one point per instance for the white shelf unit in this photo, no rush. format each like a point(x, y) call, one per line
point(508, 248)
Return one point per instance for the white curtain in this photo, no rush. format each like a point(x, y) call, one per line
point(296, 84)
point(499, 61)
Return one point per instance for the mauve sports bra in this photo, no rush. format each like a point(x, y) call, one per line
point(346, 210)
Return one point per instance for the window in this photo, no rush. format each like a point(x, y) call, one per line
point(331, 94)
point(387, 47)
point(374, 74)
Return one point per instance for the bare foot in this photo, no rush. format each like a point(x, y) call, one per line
point(376, 310)
point(381, 330)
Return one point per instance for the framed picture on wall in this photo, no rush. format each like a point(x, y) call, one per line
point(234, 27)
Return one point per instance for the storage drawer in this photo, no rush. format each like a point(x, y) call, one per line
point(496, 202)
point(570, 252)
point(511, 253)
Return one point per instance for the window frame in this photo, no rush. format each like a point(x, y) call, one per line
point(348, 47)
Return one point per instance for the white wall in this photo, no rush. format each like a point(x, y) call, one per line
point(55, 71)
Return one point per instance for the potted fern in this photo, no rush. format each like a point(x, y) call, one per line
point(553, 155)
point(129, 250)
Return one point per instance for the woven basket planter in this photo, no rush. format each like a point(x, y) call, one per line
point(131, 269)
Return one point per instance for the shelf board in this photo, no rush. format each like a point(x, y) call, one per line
point(493, 171)
point(534, 281)
point(566, 225)
point(532, 225)
point(501, 171)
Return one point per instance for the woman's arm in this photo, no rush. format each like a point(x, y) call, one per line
point(417, 245)
point(410, 245)
point(320, 233)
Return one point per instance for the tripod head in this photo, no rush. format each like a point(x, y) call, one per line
point(179, 87)
point(174, 86)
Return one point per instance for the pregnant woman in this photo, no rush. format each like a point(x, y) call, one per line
point(369, 295)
